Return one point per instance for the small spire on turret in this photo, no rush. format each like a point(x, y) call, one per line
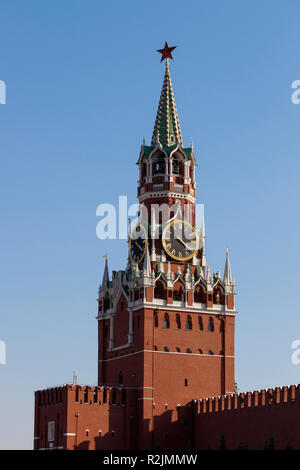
point(105, 278)
point(227, 270)
point(147, 264)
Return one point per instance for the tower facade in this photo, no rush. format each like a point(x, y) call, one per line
point(166, 323)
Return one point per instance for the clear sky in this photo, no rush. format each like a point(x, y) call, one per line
point(83, 82)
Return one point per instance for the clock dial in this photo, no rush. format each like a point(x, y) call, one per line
point(180, 240)
point(138, 242)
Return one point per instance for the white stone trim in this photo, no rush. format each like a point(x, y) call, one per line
point(69, 434)
point(164, 352)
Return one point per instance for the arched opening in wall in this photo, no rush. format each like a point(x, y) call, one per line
point(95, 395)
point(188, 351)
point(85, 395)
point(166, 349)
point(200, 323)
point(178, 291)
point(200, 351)
point(178, 321)
point(113, 396)
point(120, 378)
point(106, 302)
point(200, 294)
point(218, 296)
point(166, 323)
point(189, 325)
point(105, 395)
point(155, 348)
point(211, 327)
point(185, 382)
point(159, 165)
point(221, 353)
point(177, 349)
point(159, 290)
point(210, 352)
point(175, 166)
point(124, 397)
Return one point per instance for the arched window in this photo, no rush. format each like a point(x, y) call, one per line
point(159, 290)
point(177, 349)
point(105, 395)
point(175, 166)
point(178, 322)
point(159, 165)
point(200, 351)
point(166, 349)
point(221, 353)
point(156, 319)
point(200, 294)
point(188, 351)
point(210, 352)
point(210, 325)
point(200, 323)
point(120, 378)
point(114, 396)
point(85, 395)
point(217, 296)
point(95, 395)
point(185, 382)
point(166, 323)
point(155, 348)
point(106, 302)
point(178, 292)
point(188, 325)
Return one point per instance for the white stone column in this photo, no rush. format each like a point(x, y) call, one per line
point(111, 333)
point(130, 334)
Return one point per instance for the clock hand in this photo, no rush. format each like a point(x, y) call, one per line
point(139, 246)
point(181, 241)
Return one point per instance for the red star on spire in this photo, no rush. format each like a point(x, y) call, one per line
point(166, 52)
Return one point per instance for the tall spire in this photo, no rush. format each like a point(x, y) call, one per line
point(227, 270)
point(105, 278)
point(167, 127)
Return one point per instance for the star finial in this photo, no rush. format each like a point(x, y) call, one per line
point(166, 52)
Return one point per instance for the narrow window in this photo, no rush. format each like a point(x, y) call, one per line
point(188, 350)
point(105, 395)
point(85, 395)
point(51, 431)
point(120, 378)
point(113, 396)
point(210, 352)
point(166, 349)
point(166, 323)
point(178, 322)
point(178, 349)
point(95, 396)
point(156, 319)
point(188, 325)
point(185, 382)
point(200, 351)
point(200, 322)
point(211, 325)
point(155, 348)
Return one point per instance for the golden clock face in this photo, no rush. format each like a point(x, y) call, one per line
point(180, 240)
point(138, 242)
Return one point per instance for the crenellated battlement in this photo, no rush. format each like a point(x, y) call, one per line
point(82, 394)
point(270, 396)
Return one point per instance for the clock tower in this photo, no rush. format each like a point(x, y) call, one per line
point(166, 322)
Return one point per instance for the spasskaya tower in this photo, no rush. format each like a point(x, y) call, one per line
point(166, 322)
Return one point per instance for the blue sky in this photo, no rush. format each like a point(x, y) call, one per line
point(83, 82)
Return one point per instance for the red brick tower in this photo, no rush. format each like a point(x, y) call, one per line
point(166, 324)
